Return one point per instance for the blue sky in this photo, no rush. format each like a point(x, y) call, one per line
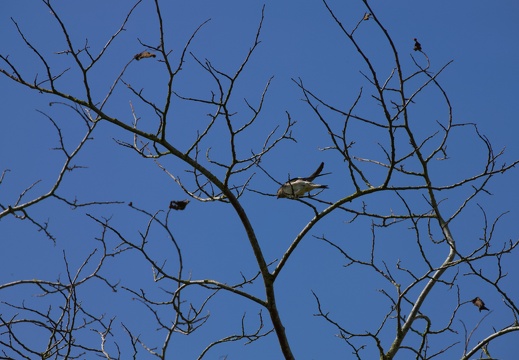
point(297, 41)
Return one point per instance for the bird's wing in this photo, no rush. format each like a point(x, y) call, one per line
point(316, 173)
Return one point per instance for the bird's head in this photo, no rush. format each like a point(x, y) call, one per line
point(281, 194)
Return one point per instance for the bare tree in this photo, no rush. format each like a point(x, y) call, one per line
point(228, 161)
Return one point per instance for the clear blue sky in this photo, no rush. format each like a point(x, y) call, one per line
point(297, 41)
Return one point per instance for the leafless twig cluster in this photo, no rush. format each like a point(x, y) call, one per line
point(401, 168)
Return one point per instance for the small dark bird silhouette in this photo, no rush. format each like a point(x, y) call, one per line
point(178, 205)
point(130, 203)
point(417, 45)
point(479, 303)
point(143, 55)
point(295, 188)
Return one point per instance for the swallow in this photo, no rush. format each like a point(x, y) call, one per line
point(479, 303)
point(178, 205)
point(295, 188)
point(144, 55)
point(417, 45)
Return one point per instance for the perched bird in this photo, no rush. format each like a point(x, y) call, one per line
point(417, 45)
point(143, 55)
point(295, 188)
point(366, 16)
point(479, 303)
point(178, 205)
